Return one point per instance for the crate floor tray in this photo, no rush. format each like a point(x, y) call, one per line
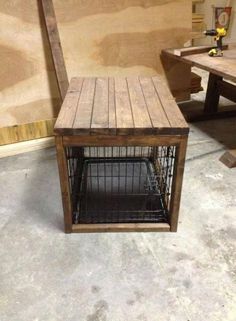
point(118, 191)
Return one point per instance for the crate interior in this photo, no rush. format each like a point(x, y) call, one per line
point(120, 184)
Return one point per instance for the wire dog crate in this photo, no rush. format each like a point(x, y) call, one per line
point(120, 184)
point(121, 145)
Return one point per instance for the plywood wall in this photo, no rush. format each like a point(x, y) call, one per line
point(99, 37)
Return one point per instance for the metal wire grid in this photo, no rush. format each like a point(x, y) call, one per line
point(120, 184)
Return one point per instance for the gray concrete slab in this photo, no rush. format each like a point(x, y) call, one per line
point(47, 275)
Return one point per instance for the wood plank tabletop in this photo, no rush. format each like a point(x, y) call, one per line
point(119, 106)
point(222, 66)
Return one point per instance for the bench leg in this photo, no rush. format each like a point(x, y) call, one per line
point(212, 95)
point(64, 181)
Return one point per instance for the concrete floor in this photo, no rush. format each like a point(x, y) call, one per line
point(191, 275)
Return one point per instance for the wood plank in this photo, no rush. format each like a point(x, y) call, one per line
point(182, 52)
point(100, 116)
point(222, 66)
point(177, 183)
point(227, 90)
point(84, 112)
point(143, 140)
point(155, 109)
point(27, 146)
point(133, 109)
point(24, 132)
point(229, 158)
point(142, 121)
point(124, 117)
point(112, 107)
point(170, 107)
point(64, 182)
point(69, 107)
point(212, 95)
point(128, 227)
point(55, 46)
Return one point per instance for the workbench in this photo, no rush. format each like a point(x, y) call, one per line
point(121, 145)
point(222, 79)
point(221, 70)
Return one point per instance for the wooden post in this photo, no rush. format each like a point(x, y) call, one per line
point(55, 46)
point(64, 180)
point(177, 183)
point(212, 95)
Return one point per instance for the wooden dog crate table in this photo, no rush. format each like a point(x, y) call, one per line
point(121, 145)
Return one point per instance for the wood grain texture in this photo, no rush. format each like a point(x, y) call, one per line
point(131, 227)
point(193, 50)
point(124, 116)
point(173, 114)
point(100, 114)
point(24, 132)
point(140, 112)
point(99, 38)
point(121, 140)
point(70, 104)
point(177, 183)
point(179, 67)
point(83, 117)
point(64, 182)
point(224, 66)
point(55, 46)
point(85, 111)
point(229, 158)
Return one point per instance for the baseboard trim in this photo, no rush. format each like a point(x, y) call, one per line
point(27, 146)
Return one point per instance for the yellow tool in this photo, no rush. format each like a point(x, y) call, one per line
point(219, 34)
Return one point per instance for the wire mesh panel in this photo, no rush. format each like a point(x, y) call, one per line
point(120, 184)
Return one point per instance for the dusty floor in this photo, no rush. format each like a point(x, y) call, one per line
point(191, 275)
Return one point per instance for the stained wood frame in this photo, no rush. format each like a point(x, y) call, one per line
point(55, 46)
point(69, 141)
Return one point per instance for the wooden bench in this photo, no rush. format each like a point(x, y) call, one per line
point(128, 126)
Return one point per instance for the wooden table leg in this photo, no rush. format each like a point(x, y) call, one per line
point(212, 95)
point(216, 87)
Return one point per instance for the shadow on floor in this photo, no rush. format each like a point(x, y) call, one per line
point(222, 130)
point(41, 196)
